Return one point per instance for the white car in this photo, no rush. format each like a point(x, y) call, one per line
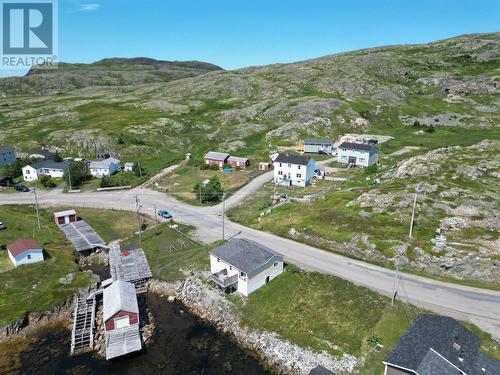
point(2, 226)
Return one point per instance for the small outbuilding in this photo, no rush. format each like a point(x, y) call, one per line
point(65, 217)
point(128, 166)
point(121, 319)
point(238, 162)
point(25, 251)
point(264, 166)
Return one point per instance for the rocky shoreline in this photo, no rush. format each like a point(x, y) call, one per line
point(33, 321)
point(279, 355)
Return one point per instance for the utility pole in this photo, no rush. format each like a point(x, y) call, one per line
point(156, 216)
point(395, 286)
point(417, 189)
point(223, 212)
point(69, 177)
point(137, 207)
point(36, 208)
point(140, 169)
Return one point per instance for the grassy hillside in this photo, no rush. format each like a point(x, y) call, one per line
point(106, 72)
point(452, 85)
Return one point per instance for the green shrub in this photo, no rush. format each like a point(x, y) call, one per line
point(211, 192)
point(47, 182)
point(214, 167)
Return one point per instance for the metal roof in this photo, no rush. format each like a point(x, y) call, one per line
point(50, 164)
point(318, 141)
point(119, 296)
point(439, 333)
point(292, 159)
point(20, 246)
point(221, 156)
point(357, 146)
point(82, 236)
point(237, 158)
point(245, 255)
point(104, 164)
point(128, 264)
point(44, 153)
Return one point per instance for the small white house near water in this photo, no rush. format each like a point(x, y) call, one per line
point(357, 154)
point(293, 170)
point(105, 167)
point(33, 172)
point(25, 251)
point(244, 265)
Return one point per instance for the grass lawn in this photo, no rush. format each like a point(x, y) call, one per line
point(36, 287)
point(181, 183)
point(170, 253)
point(325, 313)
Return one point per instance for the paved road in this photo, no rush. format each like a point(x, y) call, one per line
point(479, 306)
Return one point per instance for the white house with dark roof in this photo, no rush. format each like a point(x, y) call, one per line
point(33, 172)
point(104, 167)
point(318, 145)
point(293, 170)
point(439, 345)
point(357, 154)
point(244, 265)
point(7, 155)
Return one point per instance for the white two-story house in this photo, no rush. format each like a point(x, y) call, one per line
point(357, 154)
point(293, 170)
point(33, 172)
point(244, 265)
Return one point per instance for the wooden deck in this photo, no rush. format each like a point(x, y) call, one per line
point(123, 341)
point(82, 335)
point(130, 265)
point(82, 236)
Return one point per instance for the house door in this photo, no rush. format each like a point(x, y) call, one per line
point(352, 160)
point(122, 322)
point(267, 279)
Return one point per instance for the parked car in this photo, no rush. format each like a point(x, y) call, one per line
point(2, 226)
point(21, 187)
point(165, 214)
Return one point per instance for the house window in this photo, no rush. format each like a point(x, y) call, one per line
point(230, 268)
point(298, 167)
point(280, 173)
point(299, 175)
point(280, 165)
point(218, 260)
point(275, 264)
point(289, 165)
point(243, 276)
point(29, 256)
